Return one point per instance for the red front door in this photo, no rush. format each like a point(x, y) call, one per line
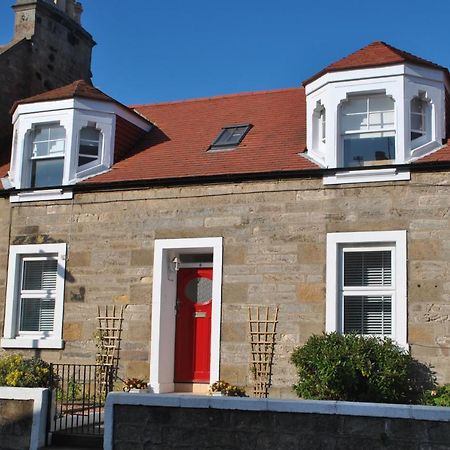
point(193, 325)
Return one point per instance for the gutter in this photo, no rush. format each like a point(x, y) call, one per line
point(225, 178)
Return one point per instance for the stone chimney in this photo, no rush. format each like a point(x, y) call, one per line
point(49, 49)
point(28, 18)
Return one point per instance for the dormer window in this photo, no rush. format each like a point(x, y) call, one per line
point(319, 124)
point(230, 136)
point(420, 120)
point(368, 130)
point(90, 146)
point(47, 155)
point(379, 112)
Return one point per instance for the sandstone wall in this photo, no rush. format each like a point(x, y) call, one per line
point(274, 253)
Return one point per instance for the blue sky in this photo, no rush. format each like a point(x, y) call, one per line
point(152, 51)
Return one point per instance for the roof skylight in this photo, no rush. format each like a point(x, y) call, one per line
point(230, 136)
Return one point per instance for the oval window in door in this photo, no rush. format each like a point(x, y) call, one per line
point(199, 290)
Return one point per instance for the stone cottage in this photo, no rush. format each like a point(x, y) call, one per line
point(330, 200)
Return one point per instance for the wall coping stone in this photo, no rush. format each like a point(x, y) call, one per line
point(40, 404)
point(384, 410)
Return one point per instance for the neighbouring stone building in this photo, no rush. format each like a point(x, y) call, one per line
point(49, 49)
point(331, 200)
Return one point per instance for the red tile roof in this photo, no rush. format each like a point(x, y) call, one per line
point(374, 55)
point(441, 155)
point(79, 88)
point(178, 144)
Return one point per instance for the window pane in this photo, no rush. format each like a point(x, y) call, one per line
point(381, 103)
point(39, 275)
point(90, 133)
point(368, 315)
point(417, 122)
point(231, 136)
point(417, 105)
point(37, 314)
point(357, 151)
point(57, 132)
point(40, 149)
point(41, 134)
point(354, 123)
point(55, 147)
point(355, 105)
point(47, 172)
point(369, 268)
point(381, 119)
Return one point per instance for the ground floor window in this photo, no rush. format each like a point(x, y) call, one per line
point(366, 284)
point(35, 295)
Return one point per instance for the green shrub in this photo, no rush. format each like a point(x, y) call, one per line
point(437, 397)
point(356, 368)
point(17, 371)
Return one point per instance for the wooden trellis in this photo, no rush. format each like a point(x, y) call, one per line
point(109, 331)
point(262, 332)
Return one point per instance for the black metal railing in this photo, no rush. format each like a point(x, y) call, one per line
point(78, 397)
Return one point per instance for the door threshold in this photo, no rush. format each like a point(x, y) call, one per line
point(192, 388)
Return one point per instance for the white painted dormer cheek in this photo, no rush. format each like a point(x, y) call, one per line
point(92, 143)
point(371, 118)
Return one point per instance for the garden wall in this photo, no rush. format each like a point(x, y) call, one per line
point(138, 421)
point(23, 413)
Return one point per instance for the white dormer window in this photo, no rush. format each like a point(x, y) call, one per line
point(91, 141)
point(420, 121)
point(387, 115)
point(47, 155)
point(319, 123)
point(368, 130)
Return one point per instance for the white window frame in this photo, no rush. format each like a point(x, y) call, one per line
point(368, 130)
point(397, 240)
point(11, 337)
point(28, 166)
point(98, 160)
point(426, 117)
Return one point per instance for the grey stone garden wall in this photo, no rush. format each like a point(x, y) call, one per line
point(224, 427)
point(16, 419)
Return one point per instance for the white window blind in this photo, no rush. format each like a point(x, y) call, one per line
point(370, 268)
point(37, 295)
point(367, 292)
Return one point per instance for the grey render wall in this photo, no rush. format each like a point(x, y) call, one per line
point(16, 419)
point(154, 428)
point(274, 253)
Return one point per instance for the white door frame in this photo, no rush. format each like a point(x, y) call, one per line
point(162, 359)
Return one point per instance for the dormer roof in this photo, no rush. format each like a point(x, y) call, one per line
point(374, 55)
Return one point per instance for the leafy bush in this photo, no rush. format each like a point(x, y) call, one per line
point(17, 371)
point(356, 368)
point(437, 397)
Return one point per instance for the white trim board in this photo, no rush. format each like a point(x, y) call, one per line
point(163, 308)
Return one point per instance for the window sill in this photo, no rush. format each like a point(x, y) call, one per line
point(36, 196)
point(367, 176)
point(29, 342)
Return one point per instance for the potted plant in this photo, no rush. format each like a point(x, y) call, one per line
point(134, 385)
point(224, 389)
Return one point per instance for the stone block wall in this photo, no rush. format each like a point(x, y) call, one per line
point(274, 253)
point(191, 428)
point(16, 419)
